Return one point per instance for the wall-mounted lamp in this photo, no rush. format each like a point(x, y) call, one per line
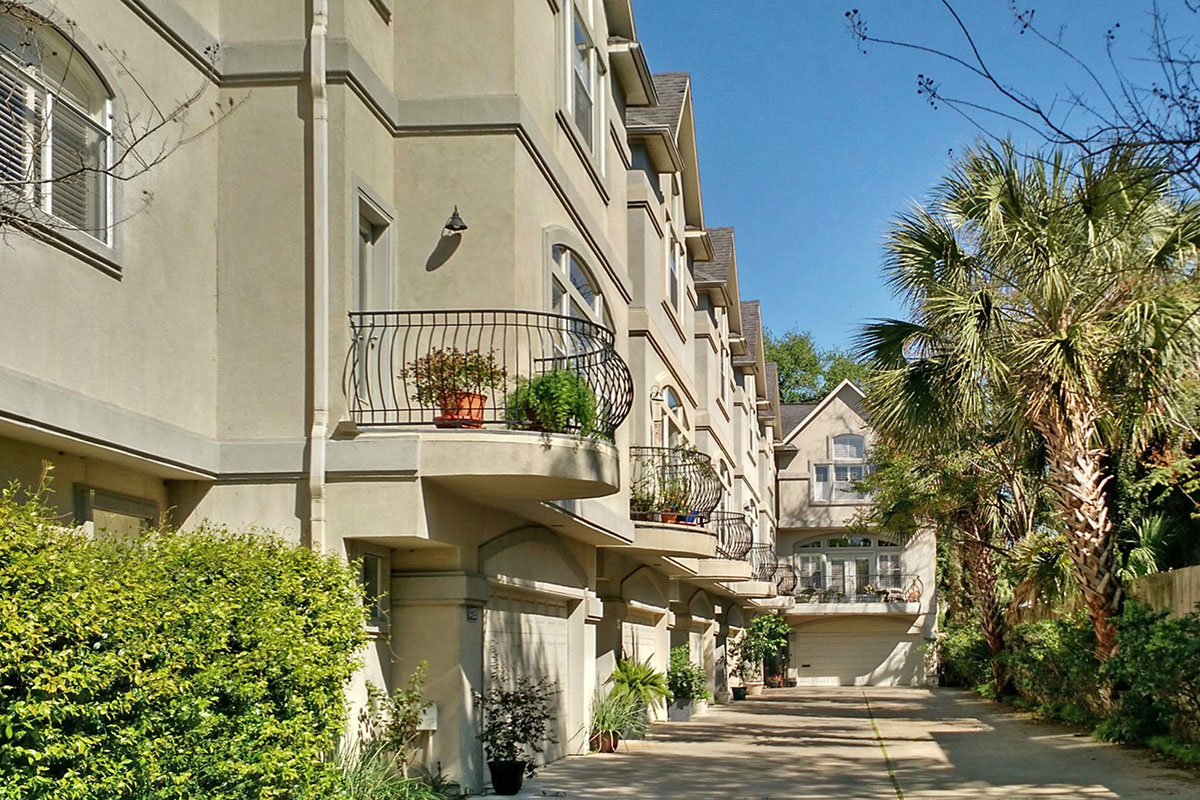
point(657, 396)
point(455, 224)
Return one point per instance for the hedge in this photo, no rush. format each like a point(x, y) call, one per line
point(1154, 674)
point(184, 665)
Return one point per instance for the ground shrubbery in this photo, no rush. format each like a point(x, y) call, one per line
point(1155, 675)
point(186, 665)
point(1053, 668)
point(963, 656)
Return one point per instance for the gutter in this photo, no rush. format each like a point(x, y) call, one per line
point(319, 433)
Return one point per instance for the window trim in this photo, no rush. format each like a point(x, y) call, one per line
point(559, 273)
point(593, 147)
point(379, 620)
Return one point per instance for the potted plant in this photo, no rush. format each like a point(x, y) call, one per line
point(518, 714)
point(644, 683)
point(642, 499)
point(765, 639)
point(672, 500)
point(454, 382)
point(615, 714)
point(739, 692)
point(686, 682)
point(560, 401)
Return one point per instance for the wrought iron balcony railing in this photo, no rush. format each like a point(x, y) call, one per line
point(734, 534)
point(890, 587)
point(673, 484)
point(527, 370)
point(763, 562)
point(785, 580)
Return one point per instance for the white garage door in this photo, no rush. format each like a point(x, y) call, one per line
point(529, 637)
point(639, 640)
point(857, 659)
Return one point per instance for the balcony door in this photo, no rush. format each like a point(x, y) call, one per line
point(847, 575)
point(372, 292)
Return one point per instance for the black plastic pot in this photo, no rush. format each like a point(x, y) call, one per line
point(507, 776)
point(739, 693)
point(680, 711)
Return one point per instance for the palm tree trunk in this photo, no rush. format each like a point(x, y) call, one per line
point(981, 570)
point(1077, 478)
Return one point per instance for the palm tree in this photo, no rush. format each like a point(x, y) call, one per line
point(1060, 293)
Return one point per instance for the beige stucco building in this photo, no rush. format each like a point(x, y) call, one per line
point(366, 197)
point(863, 606)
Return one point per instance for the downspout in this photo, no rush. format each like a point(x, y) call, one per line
point(320, 307)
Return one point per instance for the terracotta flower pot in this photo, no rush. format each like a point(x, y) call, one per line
point(669, 517)
point(461, 410)
point(507, 776)
point(604, 741)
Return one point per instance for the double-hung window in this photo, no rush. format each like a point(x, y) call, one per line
point(835, 481)
point(674, 285)
point(55, 129)
point(585, 77)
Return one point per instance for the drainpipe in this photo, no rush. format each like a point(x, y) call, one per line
point(318, 435)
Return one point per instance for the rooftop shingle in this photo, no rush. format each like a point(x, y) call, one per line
point(717, 270)
point(751, 331)
point(792, 414)
point(671, 88)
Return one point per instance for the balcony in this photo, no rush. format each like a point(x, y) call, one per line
point(889, 593)
point(524, 403)
point(673, 491)
point(735, 537)
point(763, 563)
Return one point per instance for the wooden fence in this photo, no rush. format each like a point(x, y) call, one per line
point(1177, 590)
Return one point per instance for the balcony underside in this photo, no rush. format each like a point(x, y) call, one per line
point(520, 465)
point(717, 569)
point(752, 589)
point(673, 540)
point(803, 609)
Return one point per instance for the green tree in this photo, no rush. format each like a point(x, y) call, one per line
point(1063, 291)
point(806, 372)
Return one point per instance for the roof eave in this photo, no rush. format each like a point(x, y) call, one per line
point(660, 143)
point(629, 62)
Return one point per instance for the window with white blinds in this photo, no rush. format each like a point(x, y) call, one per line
point(55, 141)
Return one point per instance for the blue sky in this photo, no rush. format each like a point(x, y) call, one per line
point(809, 147)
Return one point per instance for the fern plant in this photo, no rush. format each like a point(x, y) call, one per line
point(561, 401)
point(641, 681)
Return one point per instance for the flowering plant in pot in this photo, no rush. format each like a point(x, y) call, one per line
point(518, 716)
point(687, 683)
point(454, 382)
point(673, 499)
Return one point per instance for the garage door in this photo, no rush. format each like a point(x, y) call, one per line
point(529, 638)
point(639, 639)
point(857, 659)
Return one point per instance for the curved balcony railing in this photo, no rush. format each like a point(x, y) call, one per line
point(785, 580)
point(673, 484)
point(527, 370)
point(763, 562)
point(890, 587)
point(735, 537)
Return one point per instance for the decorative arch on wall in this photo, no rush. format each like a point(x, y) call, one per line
point(490, 550)
point(701, 605)
point(644, 576)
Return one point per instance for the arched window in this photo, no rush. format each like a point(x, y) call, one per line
point(848, 447)
point(573, 291)
point(674, 419)
point(55, 126)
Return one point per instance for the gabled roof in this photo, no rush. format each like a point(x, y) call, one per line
point(816, 410)
point(792, 414)
point(672, 88)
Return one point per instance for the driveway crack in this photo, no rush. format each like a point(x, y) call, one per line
point(887, 761)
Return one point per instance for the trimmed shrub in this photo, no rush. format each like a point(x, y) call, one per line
point(963, 656)
point(1054, 668)
point(1156, 670)
point(182, 665)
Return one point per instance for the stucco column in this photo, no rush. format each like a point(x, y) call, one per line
point(608, 637)
point(438, 617)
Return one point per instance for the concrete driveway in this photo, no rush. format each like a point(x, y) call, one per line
point(842, 742)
